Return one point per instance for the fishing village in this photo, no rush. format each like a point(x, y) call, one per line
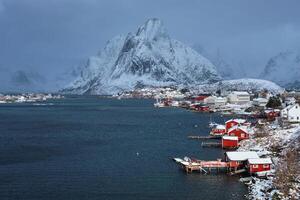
point(259, 136)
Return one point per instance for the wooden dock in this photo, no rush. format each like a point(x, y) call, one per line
point(211, 144)
point(204, 166)
point(201, 137)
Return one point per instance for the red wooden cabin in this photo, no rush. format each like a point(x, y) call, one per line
point(241, 132)
point(238, 159)
point(272, 114)
point(230, 142)
point(259, 165)
point(200, 98)
point(218, 130)
point(201, 108)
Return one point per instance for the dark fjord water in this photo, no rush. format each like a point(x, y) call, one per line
point(86, 148)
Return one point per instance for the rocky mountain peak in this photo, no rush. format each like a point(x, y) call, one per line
point(152, 29)
point(148, 57)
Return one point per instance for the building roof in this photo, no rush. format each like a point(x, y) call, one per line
point(240, 93)
point(261, 100)
point(256, 161)
point(225, 137)
point(241, 155)
point(240, 121)
point(290, 107)
point(242, 128)
point(219, 126)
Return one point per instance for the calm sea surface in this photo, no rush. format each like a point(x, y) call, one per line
point(93, 148)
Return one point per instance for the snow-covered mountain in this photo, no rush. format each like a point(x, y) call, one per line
point(283, 68)
point(148, 57)
point(245, 84)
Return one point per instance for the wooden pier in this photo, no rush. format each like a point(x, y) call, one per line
point(200, 137)
point(204, 166)
point(211, 144)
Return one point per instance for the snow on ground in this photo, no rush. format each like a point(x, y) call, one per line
point(283, 138)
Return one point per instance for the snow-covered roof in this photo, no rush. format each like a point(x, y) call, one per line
point(242, 128)
point(291, 106)
point(240, 93)
point(240, 121)
point(261, 99)
point(219, 126)
point(256, 161)
point(225, 137)
point(241, 155)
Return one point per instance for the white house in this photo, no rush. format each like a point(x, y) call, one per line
point(261, 102)
point(216, 101)
point(291, 113)
point(240, 98)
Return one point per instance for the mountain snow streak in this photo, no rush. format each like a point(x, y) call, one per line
point(148, 57)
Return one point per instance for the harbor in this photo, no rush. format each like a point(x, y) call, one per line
point(106, 146)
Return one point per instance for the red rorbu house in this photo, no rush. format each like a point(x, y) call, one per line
point(255, 165)
point(272, 114)
point(201, 108)
point(234, 122)
point(238, 159)
point(230, 142)
point(242, 132)
point(218, 130)
point(200, 98)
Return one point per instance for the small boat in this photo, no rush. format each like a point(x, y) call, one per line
point(178, 160)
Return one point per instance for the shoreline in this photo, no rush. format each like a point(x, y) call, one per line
point(276, 144)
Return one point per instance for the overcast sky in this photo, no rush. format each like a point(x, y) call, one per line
point(48, 37)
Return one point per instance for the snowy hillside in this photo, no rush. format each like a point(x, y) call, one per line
point(148, 57)
point(283, 68)
point(242, 85)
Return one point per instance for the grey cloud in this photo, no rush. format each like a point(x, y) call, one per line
point(54, 36)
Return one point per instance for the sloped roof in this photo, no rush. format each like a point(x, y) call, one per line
point(241, 155)
point(242, 128)
point(240, 121)
point(225, 137)
point(256, 161)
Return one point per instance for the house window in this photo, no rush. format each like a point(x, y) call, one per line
point(265, 166)
point(242, 135)
point(255, 166)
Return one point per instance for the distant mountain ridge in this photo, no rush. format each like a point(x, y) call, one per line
point(148, 57)
point(244, 84)
point(283, 69)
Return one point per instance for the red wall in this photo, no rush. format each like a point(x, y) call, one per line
point(229, 143)
point(238, 132)
point(259, 169)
